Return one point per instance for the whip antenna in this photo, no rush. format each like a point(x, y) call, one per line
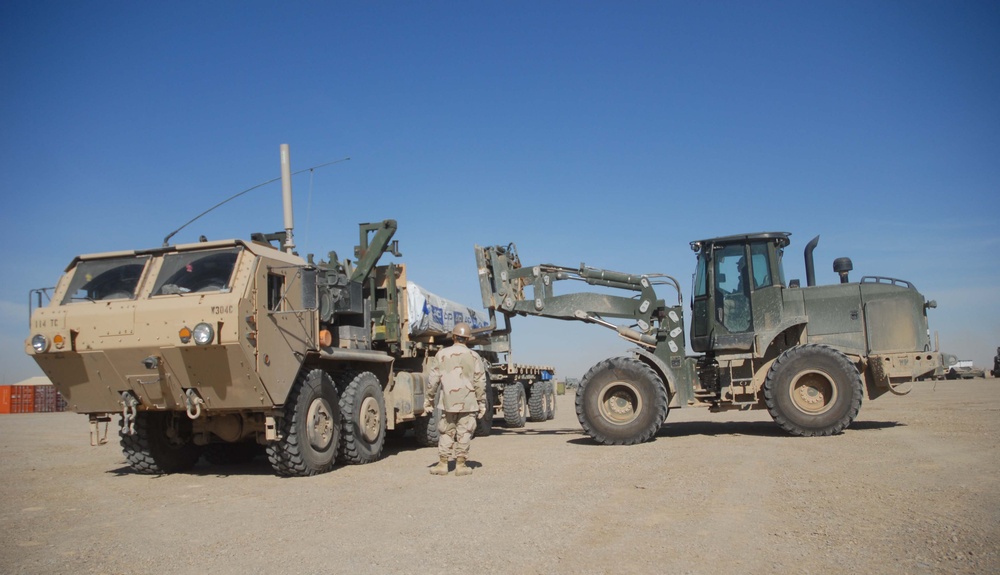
point(166, 240)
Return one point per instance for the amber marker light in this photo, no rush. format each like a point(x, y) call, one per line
point(59, 341)
point(184, 334)
point(325, 338)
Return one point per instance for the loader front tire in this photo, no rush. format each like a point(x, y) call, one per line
point(621, 401)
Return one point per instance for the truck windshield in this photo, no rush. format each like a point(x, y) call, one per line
point(114, 278)
point(196, 272)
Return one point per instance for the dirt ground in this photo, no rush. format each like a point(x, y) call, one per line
point(913, 486)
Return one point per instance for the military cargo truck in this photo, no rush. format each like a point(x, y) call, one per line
point(224, 349)
point(808, 355)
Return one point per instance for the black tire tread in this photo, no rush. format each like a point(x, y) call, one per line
point(658, 402)
point(796, 354)
point(513, 396)
point(352, 447)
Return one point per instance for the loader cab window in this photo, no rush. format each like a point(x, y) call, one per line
point(110, 279)
point(761, 265)
point(732, 289)
point(196, 272)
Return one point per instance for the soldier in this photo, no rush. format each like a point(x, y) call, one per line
point(996, 364)
point(458, 372)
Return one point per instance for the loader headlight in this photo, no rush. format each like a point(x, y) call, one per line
point(40, 343)
point(203, 334)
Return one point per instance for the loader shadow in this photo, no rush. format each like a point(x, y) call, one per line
point(751, 428)
point(531, 431)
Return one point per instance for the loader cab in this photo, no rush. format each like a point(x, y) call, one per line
point(737, 289)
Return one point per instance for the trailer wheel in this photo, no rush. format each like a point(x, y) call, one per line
point(550, 393)
point(484, 427)
point(425, 429)
point(536, 402)
point(514, 404)
point(362, 410)
point(155, 449)
point(813, 390)
point(621, 401)
point(310, 428)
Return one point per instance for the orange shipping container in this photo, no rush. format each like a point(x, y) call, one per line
point(4, 399)
point(22, 399)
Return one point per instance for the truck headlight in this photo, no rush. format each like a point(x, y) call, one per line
point(203, 334)
point(40, 343)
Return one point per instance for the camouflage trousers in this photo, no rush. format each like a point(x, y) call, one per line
point(455, 432)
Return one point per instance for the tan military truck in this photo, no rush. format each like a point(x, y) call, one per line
point(227, 348)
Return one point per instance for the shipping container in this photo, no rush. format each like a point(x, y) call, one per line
point(22, 399)
point(4, 399)
point(46, 399)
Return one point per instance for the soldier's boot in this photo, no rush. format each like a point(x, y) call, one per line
point(442, 467)
point(461, 468)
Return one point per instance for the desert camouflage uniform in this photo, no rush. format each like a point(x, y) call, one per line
point(458, 373)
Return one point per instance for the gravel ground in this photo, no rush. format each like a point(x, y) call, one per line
point(911, 487)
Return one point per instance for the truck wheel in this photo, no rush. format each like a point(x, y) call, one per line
point(155, 449)
point(550, 394)
point(484, 427)
point(813, 390)
point(514, 404)
point(536, 402)
point(425, 429)
point(362, 409)
point(621, 401)
point(310, 429)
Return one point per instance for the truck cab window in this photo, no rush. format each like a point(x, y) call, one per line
point(110, 279)
point(275, 289)
point(196, 272)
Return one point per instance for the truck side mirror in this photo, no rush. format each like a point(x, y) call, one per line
point(309, 288)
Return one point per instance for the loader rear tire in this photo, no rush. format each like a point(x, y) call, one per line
point(621, 401)
point(514, 404)
point(813, 390)
point(310, 428)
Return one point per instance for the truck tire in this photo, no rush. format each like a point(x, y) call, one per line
point(484, 427)
point(536, 402)
point(310, 428)
point(152, 451)
point(813, 390)
point(514, 404)
point(362, 412)
point(621, 401)
point(550, 393)
point(425, 429)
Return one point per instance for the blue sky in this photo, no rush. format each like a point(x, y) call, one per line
point(611, 133)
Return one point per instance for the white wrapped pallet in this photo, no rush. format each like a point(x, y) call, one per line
point(430, 314)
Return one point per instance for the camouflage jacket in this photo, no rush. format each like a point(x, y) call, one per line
point(458, 373)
